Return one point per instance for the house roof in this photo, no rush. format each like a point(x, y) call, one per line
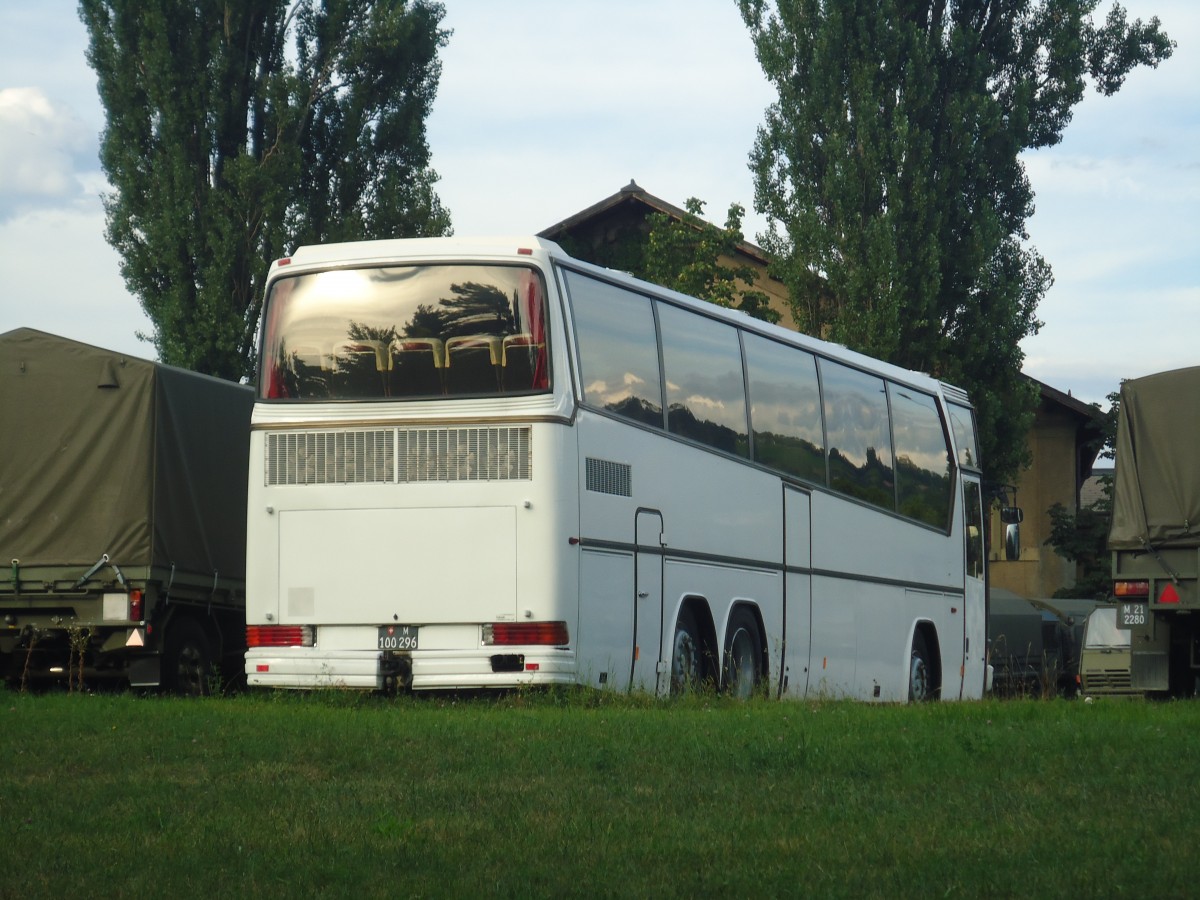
point(1071, 404)
point(633, 197)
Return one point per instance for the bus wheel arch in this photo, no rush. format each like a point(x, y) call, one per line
point(924, 664)
point(743, 662)
point(692, 646)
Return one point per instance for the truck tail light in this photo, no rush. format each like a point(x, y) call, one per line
point(1132, 590)
point(137, 606)
point(553, 634)
point(279, 636)
point(1169, 594)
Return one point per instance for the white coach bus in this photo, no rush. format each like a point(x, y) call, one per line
point(486, 464)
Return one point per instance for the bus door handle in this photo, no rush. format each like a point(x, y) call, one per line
point(642, 595)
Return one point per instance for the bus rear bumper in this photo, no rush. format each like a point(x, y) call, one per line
point(307, 668)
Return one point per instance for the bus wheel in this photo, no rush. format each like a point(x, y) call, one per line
point(687, 662)
point(920, 673)
point(187, 659)
point(743, 642)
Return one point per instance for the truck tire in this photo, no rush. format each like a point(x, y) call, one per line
point(187, 659)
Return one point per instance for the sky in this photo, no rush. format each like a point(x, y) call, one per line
point(545, 108)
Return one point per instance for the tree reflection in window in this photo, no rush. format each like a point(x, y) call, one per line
point(922, 457)
point(706, 393)
point(785, 408)
point(857, 425)
point(618, 349)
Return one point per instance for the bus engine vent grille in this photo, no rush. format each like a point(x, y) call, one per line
point(331, 457)
point(464, 454)
point(605, 477)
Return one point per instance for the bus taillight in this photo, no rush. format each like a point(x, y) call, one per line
point(279, 636)
point(1132, 590)
point(509, 633)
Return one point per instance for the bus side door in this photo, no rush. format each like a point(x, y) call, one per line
point(797, 587)
point(974, 663)
point(647, 602)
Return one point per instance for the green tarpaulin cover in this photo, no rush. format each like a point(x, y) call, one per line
point(104, 453)
point(1156, 491)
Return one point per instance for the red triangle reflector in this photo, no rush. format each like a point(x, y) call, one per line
point(1169, 595)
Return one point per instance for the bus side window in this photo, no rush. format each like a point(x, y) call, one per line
point(618, 349)
point(922, 457)
point(859, 429)
point(706, 393)
point(785, 408)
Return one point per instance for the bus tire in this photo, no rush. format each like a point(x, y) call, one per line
point(742, 670)
point(187, 659)
point(687, 654)
point(920, 671)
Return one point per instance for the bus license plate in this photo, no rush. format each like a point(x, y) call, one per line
point(397, 637)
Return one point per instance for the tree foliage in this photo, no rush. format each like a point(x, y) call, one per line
point(686, 254)
point(889, 170)
point(236, 130)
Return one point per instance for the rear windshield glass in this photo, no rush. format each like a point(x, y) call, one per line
point(405, 332)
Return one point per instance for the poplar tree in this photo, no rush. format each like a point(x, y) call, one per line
point(889, 171)
point(237, 129)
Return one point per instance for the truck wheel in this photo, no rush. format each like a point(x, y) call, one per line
point(187, 659)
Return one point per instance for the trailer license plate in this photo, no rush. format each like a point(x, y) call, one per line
point(397, 637)
point(1133, 614)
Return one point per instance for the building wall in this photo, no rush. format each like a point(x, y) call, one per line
point(772, 287)
point(1051, 477)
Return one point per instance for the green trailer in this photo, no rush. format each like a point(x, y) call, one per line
point(122, 516)
point(1155, 533)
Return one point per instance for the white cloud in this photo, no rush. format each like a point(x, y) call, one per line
point(40, 147)
point(60, 279)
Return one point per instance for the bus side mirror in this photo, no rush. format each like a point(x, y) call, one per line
point(1011, 516)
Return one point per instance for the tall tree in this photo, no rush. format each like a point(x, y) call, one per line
point(889, 171)
point(236, 130)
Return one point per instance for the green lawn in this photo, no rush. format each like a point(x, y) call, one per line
point(582, 794)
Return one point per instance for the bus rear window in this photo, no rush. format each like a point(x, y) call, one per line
point(405, 332)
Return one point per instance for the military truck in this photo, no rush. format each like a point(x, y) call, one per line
point(122, 517)
point(1155, 533)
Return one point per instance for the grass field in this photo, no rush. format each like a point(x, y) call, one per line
point(578, 794)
